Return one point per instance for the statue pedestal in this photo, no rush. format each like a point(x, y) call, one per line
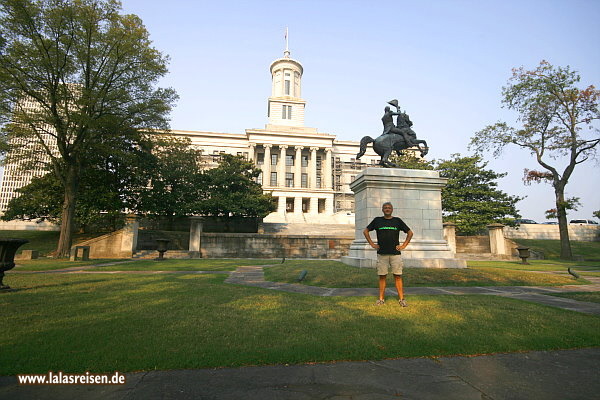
point(416, 197)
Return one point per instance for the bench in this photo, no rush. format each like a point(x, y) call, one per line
point(85, 253)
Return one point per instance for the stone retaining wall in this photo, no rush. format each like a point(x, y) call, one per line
point(473, 244)
point(108, 246)
point(586, 233)
point(248, 245)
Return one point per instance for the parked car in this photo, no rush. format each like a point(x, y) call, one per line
point(583, 222)
point(550, 223)
point(521, 221)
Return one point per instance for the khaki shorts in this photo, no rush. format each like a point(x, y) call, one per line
point(384, 261)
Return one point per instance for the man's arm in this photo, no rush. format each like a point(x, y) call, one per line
point(368, 237)
point(402, 246)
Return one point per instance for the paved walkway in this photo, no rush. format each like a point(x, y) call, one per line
point(543, 375)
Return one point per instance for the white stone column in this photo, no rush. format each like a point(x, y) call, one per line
point(314, 206)
point(267, 166)
point(329, 206)
point(496, 235)
point(450, 235)
point(312, 170)
point(281, 173)
point(298, 167)
point(252, 152)
point(281, 205)
point(328, 171)
point(130, 235)
point(298, 205)
point(196, 228)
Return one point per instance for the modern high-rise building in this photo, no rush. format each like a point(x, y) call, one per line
point(28, 160)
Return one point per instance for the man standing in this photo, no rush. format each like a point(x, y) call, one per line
point(389, 249)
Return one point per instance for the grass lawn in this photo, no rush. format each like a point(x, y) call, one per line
point(107, 323)
point(551, 248)
point(539, 265)
point(46, 264)
point(593, 297)
point(187, 265)
point(335, 274)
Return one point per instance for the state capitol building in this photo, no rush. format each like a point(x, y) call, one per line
point(307, 171)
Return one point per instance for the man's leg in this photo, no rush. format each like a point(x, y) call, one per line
point(397, 269)
point(382, 279)
point(399, 287)
point(382, 270)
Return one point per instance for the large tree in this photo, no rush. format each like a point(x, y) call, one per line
point(557, 126)
point(111, 183)
point(231, 190)
point(471, 199)
point(73, 75)
point(175, 179)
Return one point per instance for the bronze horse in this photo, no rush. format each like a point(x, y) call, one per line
point(386, 143)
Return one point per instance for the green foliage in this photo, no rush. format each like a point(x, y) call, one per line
point(74, 75)
point(596, 214)
point(41, 199)
point(157, 179)
point(572, 203)
point(121, 165)
point(175, 179)
point(231, 190)
point(557, 125)
point(408, 160)
point(471, 198)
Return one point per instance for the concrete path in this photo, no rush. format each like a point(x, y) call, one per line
point(543, 375)
point(254, 276)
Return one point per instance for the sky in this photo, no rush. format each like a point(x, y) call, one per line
point(445, 61)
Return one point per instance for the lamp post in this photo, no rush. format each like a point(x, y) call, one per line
point(8, 249)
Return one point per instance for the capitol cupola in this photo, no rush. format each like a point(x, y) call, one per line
point(286, 106)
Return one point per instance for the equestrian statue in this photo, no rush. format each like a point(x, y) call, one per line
point(394, 137)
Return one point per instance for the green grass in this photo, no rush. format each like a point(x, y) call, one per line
point(587, 267)
point(551, 248)
point(335, 274)
point(107, 323)
point(593, 297)
point(186, 265)
point(48, 264)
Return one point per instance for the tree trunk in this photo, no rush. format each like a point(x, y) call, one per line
point(68, 215)
point(563, 226)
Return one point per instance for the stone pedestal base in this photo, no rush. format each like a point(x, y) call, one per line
point(416, 197)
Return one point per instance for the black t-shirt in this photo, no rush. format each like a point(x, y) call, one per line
point(388, 233)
